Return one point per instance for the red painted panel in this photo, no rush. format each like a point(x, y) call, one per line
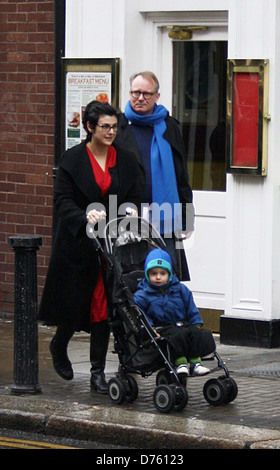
point(245, 107)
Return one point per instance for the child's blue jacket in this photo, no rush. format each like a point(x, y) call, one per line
point(168, 305)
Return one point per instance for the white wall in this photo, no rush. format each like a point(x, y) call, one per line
point(253, 247)
point(94, 29)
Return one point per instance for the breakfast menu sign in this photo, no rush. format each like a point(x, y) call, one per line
point(81, 88)
point(84, 81)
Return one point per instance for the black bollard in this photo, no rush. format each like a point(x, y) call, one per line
point(25, 314)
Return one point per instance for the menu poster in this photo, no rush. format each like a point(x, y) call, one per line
point(81, 88)
point(85, 80)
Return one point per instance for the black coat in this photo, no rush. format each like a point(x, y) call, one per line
point(125, 139)
point(172, 134)
point(74, 263)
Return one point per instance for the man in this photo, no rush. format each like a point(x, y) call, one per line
point(147, 129)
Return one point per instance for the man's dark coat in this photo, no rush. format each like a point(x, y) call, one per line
point(126, 139)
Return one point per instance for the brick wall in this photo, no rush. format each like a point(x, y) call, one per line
point(27, 133)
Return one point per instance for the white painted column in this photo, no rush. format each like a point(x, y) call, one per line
point(253, 210)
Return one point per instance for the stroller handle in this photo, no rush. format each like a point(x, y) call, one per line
point(96, 242)
point(112, 230)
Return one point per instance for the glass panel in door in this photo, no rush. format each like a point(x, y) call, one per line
point(199, 104)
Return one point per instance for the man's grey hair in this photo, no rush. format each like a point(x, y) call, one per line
point(148, 76)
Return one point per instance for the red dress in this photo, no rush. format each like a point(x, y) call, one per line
point(103, 179)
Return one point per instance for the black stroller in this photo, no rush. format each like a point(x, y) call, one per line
point(128, 240)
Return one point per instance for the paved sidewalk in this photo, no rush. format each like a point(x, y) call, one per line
point(251, 421)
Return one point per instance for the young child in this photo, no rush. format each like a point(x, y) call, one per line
point(170, 308)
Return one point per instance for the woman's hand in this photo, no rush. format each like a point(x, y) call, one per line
point(130, 212)
point(95, 216)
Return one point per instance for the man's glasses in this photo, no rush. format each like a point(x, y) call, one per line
point(107, 127)
point(146, 95)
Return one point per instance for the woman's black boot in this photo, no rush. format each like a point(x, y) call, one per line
point(58, 349)
point(99, 340)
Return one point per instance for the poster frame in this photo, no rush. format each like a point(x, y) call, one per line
point(237, 67)
point(88, 66)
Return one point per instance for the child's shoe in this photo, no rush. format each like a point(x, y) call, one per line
point(199, 369)
point(183, 369)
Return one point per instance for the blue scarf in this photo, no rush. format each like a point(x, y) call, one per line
point(164, 184)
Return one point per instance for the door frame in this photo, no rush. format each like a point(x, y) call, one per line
point(210, 206)
point(159, 45)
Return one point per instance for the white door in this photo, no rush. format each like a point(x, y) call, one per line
point(197, 98)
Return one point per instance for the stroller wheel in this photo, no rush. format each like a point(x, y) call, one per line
point(116, 390)
point(182, 397)
point(163, 378)
point(132, 393)
point(215, 392)
point(232, 389)
point(164, 398)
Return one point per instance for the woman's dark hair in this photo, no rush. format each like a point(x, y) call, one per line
point(92, 113)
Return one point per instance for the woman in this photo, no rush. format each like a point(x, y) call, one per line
point(73, 297)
